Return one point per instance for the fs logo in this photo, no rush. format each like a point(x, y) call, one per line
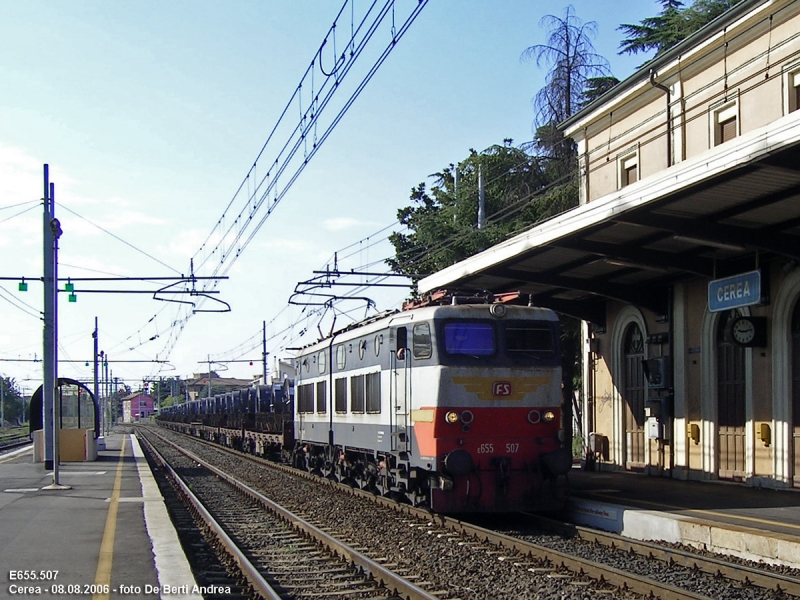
point(501, 388)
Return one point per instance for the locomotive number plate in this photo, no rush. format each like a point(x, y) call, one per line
point(501, 388)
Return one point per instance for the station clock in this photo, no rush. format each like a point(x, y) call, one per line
point(750, 332)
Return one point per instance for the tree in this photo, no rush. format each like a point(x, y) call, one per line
point(571, 61)
point(576, 74)
point(443, 218)
point(672, 25)
point(13, 403)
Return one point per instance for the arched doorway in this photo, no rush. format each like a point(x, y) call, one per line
point(795, 408)
point(634, 393)
point(731, 403)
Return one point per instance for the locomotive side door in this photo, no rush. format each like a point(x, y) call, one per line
point(399, 388)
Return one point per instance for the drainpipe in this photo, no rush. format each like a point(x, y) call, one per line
point(664, 89)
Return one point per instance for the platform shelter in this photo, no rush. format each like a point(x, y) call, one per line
point(80, 422)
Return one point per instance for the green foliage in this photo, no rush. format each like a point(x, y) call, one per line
point(443, 218)
point(14, 409)
point(672, 25)
point(596, 87)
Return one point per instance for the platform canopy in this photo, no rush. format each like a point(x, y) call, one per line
point(718, 214)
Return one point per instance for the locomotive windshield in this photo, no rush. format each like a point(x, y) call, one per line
point(529, 339)
point(464, 337)
point(499, 343)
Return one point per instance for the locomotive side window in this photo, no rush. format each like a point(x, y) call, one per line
point(362, 348)
point(402, 338)
point(530, 340)
point(322, 360)
point(374, 392)
point(322, 397)
point(378, 343)
point(341, 356)
point(340, 393)
point(464, 337)
point(421, 341)
point(357, 394)
point(305, 398)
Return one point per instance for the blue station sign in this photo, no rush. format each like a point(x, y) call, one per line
point(736, 291)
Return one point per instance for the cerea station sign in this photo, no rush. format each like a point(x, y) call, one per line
point(735, 291)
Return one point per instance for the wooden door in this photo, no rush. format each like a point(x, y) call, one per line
point(731, 380)
point(795, 418)
point(634, 394)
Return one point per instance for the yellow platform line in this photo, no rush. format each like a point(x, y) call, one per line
point(712, 513)
point(103, 575)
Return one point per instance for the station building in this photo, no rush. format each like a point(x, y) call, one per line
point(683, 257)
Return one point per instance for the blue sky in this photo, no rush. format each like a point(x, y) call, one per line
point(150, 114)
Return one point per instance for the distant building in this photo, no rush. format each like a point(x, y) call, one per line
point(199, 384)
point(136, 406)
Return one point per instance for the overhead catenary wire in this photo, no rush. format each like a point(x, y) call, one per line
point(232, 240)
point(127, 243)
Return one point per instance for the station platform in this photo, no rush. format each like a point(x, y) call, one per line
point(108, 536)
point(729, 518)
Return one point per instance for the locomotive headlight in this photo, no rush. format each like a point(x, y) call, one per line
point(534, 417)
point(467, 417)
point(451, 417)
point(548, 416)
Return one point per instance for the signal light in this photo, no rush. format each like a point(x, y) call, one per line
point(23, 287)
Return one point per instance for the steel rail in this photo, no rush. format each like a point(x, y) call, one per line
point(389, 579)
point(599, 571)
point(250, 572)
point(707, 564)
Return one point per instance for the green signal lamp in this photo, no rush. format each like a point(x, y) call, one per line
point(23, 287)
point(73, 298)
point(69, 287)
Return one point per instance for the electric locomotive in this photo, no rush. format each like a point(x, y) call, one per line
point(454, 407)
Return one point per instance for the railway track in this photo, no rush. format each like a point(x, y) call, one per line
point(280, 554)
point(466, 560)
point(681, 562)
point(12, 443)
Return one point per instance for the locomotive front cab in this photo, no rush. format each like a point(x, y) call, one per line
point(492, 432)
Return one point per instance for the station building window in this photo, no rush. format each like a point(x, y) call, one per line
point(628, 171)
point(791, 83)
point(725, 122)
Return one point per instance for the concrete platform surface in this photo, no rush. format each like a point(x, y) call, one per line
point(730, 518)
point(107, 536)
